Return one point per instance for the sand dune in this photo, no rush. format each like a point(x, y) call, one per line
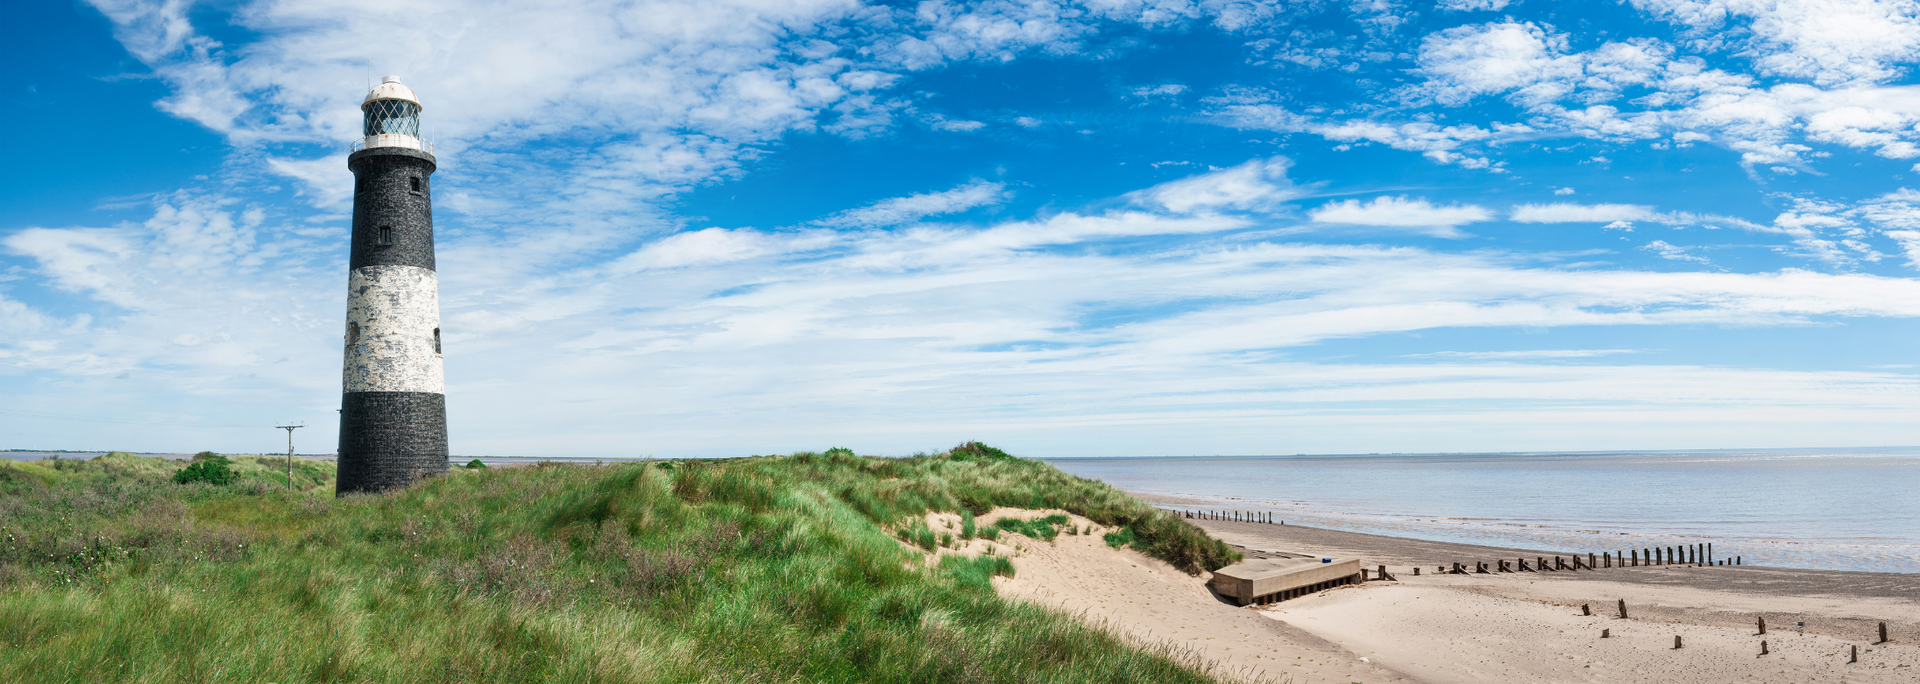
point(1149, 601)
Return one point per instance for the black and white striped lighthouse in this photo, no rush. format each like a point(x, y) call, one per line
point(393, 410)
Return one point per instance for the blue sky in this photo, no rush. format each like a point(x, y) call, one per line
point(1069, 229)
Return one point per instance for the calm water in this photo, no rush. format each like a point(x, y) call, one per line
point(1832, 509)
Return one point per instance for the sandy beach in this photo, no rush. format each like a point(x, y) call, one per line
point(1497, 627)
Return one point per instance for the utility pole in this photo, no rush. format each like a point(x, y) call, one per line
point(289, 429)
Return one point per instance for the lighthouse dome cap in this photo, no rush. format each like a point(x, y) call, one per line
point(390, 88)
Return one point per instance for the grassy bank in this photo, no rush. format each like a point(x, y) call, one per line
point(756, 569)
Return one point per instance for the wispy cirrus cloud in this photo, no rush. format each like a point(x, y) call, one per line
point(899, 210)
point(1260, 184)
point(1526, 354)
point(1401, 212)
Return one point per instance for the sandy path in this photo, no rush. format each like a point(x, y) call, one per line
point(1148, 600)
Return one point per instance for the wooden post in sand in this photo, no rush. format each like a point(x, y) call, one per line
point(1586, 609)
point(1737, 561)
point(1605, 633)
point(1856, 654)
point(1623, 609)
point(1763, 648)
point(1607, 557)
point(1416, 571)
point(1636, 558)
point(1763, 625)
point(1883, 632)
point(1590, 564)
point(1676, 641)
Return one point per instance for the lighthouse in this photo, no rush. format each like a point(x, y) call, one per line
point(393, 405)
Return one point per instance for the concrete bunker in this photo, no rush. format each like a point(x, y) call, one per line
point(1270, 580)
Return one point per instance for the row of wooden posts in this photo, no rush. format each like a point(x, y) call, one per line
point(1691, 554)
point(1236, 516)
point(1694, 555)
point(1852, 657)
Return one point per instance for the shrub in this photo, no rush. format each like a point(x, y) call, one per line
point(1039, 528)
point(475, 464)
point(972, 450)
point(214, 470)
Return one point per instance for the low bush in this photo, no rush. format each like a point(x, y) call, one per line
point(207, 467)
point(1038, 528)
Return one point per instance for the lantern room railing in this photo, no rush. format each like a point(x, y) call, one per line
point(391, 140)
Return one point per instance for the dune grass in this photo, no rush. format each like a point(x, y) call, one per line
point(777, 568)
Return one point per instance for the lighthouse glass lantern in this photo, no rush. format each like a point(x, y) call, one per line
point(390, 117)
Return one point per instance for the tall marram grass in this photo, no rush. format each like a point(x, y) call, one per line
point(765, 569)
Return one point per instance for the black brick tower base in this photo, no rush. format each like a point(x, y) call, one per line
point(390, 439)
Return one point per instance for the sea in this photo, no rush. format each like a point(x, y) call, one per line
point(1832, 509)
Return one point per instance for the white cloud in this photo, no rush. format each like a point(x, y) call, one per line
point(1474, 5)
point(994, 30)
point(899, 210)
point(1828, 41)
point(1669, 251)
point(696, 248)
point(888, 336)
point(1572, 92)
point(1909, 241)
point(1400, 212)
point(941, 123)
point(1255, 185)
point(1528, 354)
point(1561, 212)
point(1442, 144)
point(1169, 91)
point(1563, 191)
point(1468, 61)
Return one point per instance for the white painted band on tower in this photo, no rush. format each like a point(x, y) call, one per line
point(393, 330)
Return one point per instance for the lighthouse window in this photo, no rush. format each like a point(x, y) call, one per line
point(353, 334)
point(386, 235)
point(395, 117)
point(359, 185)
point(416, 183)
point(436, 340)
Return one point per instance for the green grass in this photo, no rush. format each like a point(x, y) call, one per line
point(785, 568)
